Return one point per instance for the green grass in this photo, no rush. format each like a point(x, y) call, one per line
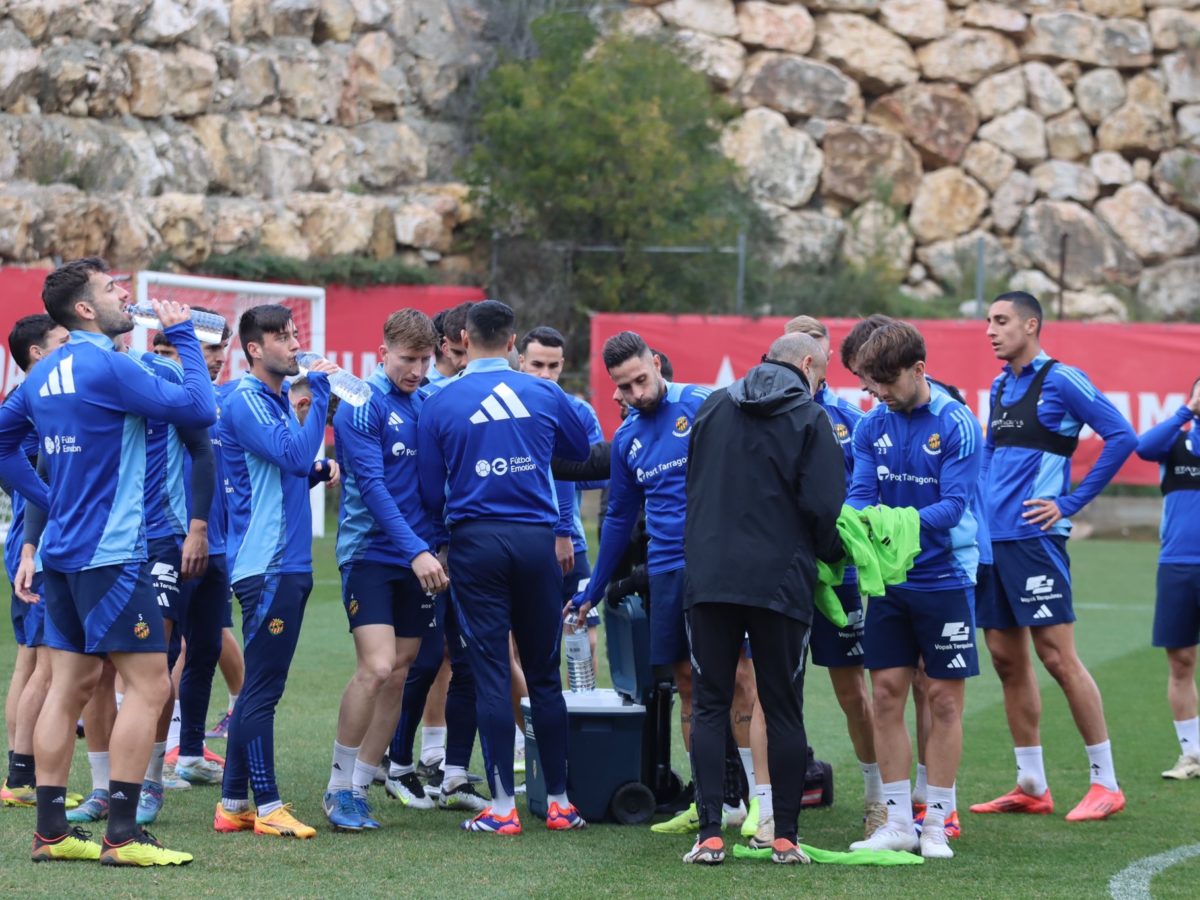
point(422, 853)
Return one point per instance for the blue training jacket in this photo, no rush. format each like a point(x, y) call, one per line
point(381, 517)
point(649, 466)
point(16, 528)
point(1016, 474)
point(488, 437)
point(927, 459)
point(268, 458)
point(166, 496)
point(90, 407)
point(570, 493)
point(1180, 528)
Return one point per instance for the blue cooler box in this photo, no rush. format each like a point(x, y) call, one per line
point(604, 754)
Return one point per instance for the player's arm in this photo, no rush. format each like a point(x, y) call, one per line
point(203, 484)
point(958, 476)
point(625, 500)
point(190, 404)
point(864, 482)
point(260, 430)
point(822, 487)
point(571, 438)
point(358, 433)
point(1155, 444)
point(15, 469)
point(1119, 441)
point(593, 470)
point(591, 422)
point(31, 538)
point(431, 465)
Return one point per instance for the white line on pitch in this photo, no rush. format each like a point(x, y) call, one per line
point(1133, 882)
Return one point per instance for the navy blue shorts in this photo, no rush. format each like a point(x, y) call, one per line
point(576, 580)
point(164, 559)
point(29, 619)
point(668, 634)
point(108, 609)
point(1030, 585)
point(834, 647)
point(1177, 606)
point(380, 594)
point(906, 625)
point(985, 587)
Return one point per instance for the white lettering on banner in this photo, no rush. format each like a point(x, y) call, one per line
point(1151, 412)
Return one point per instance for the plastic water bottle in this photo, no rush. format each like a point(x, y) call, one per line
point(580, 674)
point(210, 327)
point(348, 388)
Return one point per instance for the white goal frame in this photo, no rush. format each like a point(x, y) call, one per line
point(270, 290)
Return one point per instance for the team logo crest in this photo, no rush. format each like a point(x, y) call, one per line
point(141, 630)
point(353, 607)
point(841, 432)
point(682, 426)
point(275, 626)
point(933, 444)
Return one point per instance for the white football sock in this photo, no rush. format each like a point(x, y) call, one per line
point(918, 791)
point(766, 802)
point(341, 770)
point(433, 745)
point(1031, 771)
point(940, 805)
point(748, 767)
point(99, 764)
point(897, 796)
point(872, 782)
point(1101, 764)
point(1188, 732)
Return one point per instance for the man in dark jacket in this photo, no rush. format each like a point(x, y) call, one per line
point(765, 484)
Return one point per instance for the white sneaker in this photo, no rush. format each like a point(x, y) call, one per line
point(1186, 767)
point(172, 782)
point(205, 771)
point(889, 838)
point(733, 816)
point(934, 844)
point(764, 836)
point(407, 788)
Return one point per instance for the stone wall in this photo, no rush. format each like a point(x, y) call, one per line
point(893, 131)
point(1017, 122)
point(136, 128)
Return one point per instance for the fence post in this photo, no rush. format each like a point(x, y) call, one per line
point(980, 263)
point(741, 273)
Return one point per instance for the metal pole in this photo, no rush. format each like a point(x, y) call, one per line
point(979, 276)
point(1062, 271)
point(741, 273)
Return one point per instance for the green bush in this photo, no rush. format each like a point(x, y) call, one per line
point(610, 143)
point(349, 270)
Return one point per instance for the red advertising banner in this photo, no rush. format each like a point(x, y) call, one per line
point(354, 317)
point(1145, 370)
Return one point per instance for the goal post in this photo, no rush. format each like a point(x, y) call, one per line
point(231, 298)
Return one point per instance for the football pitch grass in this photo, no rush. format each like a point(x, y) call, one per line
point(424, 854)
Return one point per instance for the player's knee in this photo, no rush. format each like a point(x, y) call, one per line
point(1181, 666)
point(372, 674)
point(887, 695)
point(945, 702)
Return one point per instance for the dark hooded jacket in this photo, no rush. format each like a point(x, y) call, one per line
point(765, 484)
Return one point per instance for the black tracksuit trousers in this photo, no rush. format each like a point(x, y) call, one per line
point(778, 643)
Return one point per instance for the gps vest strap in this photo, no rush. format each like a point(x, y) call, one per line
point(1181, 471)
point(1017, 425)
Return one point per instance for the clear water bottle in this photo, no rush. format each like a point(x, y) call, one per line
point(210, 327)
point(581, 676)
point(348, 388)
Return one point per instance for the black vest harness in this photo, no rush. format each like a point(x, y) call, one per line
point(1018, 425)
point(1181, 471)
